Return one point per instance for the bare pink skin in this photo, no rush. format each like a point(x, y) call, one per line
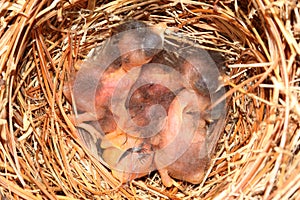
point(191, 137)
point(189, 150)
point(132, 55)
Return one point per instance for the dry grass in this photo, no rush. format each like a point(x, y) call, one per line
point(258, 155)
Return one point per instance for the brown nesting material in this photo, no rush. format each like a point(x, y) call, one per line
point(43, 42)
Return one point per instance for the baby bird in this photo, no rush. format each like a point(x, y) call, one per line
point(182, 144)
point(133, 44)
point(184, 148)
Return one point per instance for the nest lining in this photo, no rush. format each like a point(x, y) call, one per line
point(41, 42)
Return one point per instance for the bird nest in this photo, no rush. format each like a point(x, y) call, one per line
point(43, 42)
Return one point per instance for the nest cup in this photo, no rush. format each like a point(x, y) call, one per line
point(42, 43)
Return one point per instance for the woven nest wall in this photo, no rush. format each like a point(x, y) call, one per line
point(257, 157)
